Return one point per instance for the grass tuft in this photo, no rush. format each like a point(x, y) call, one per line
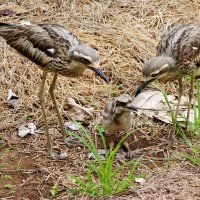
point(101, 177)
point(194, 156)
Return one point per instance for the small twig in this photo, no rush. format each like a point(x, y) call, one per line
point(24, 182)
point(152, 109)
point(42, 197)
point(7, 198)
point(139, 195)
point(21, 170)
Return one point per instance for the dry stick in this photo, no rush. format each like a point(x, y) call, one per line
point(40, 193)
point(152, 109)
point(22, 170)
point(140, 196)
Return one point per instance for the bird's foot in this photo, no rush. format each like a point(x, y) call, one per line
point(71, 141)
point(54, 155)
point(109, 151)
point(129, 154)
point(168, 144)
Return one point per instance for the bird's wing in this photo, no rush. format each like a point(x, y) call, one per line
point(41, 42)
point(182, 43)
point(109, 109)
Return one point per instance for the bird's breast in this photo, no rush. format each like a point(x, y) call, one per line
point(118, 123)
point(171, 76)
point(75, 72)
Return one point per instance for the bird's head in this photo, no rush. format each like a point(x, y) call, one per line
point(158, 68)
point(123, 103)
point(118, 107)
point(86, 58)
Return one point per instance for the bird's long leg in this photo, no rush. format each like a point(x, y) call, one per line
point(126, 145)
point(68, 142)
point(42, 102)
point(180, 93)
point(51, 92)
point(191, 93)
point(111, 145)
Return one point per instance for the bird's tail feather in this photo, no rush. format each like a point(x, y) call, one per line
point(5, 29)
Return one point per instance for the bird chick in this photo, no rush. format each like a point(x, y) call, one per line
point(118, 121)
point(178, 54)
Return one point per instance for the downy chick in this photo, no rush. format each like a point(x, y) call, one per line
point(118, 121)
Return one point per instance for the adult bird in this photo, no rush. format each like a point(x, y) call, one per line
point(54, 49)
point(178, 54)
point(118, 121)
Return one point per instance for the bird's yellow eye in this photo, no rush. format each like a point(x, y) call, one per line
point(85, 61)
point(154, 74)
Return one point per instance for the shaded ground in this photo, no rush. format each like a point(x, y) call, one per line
point(33, 173)
point(126, 34)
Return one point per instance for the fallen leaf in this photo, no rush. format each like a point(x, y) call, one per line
point(79, 112)
point(72, 126)
point(153, 104)
point(148, 99)
point(25, 22)
point(11, 8)
point(140, 180)
point(25, 129)
point(101, 153)
point(63, 156)
point(13, 100)
point(32, 128)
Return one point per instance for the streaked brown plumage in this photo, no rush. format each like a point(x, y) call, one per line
point(178, 54)
point(54, 49)
point(118, 120)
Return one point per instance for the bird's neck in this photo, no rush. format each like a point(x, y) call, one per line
point(77, 68)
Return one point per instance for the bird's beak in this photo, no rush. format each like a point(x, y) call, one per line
point(100, 73)
point(131, 107)
point(143, 84)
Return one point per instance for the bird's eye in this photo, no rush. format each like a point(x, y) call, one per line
point(119, 103)
point(154, 74)
point(85, 61)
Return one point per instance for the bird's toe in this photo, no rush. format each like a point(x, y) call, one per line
point(53, 154)
point(129, 154)
point(71, 141)
point(168, 144)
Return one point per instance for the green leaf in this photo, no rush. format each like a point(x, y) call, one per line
point(7, 176)
point(54, 190)
point(8, 186)
point(30, 116)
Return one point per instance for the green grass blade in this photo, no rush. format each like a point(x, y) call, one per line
point(88, 143)
point(79, 181)
point(127, 181)
point(92, 145)
point(107, 177)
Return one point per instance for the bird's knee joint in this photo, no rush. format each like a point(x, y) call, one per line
point(191, 93)
point(181, 90)
point(51, 91)
point(41, 96)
